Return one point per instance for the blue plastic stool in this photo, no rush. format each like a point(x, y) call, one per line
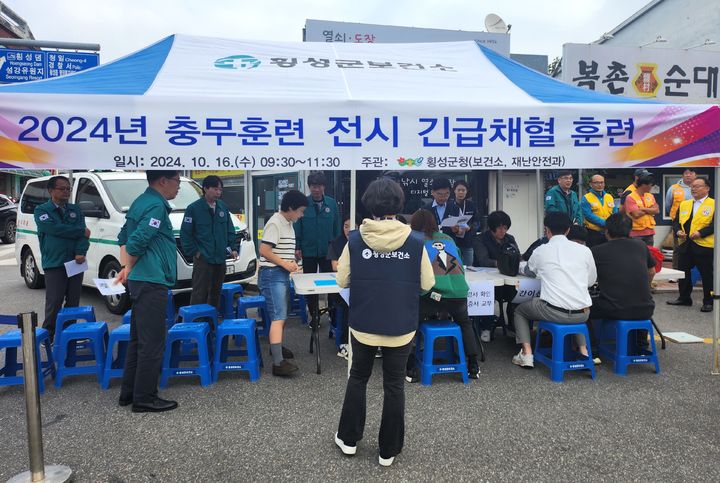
point(127, 317)
point(192, 313)
point(560, 357)
point(68, 315)
point(114, 367)
point(170, 315)
point(11, 341)
point(199, 333)
point(97, 333)
point(614, 335)
point(238, 328)
point(227, 298)
point(298, 306)
point(257, 302)
point(454, 356)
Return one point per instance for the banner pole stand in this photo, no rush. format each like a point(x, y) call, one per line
point(38, 471)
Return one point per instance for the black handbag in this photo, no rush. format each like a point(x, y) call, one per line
point(509, 260)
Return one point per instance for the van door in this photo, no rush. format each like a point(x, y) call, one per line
point(91, 203)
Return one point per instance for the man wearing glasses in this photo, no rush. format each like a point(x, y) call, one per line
point(597, 206)
point(63, 237)
point(149, 257)
point(561, 199)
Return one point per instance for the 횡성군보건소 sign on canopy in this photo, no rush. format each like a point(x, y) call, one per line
point(202, 103)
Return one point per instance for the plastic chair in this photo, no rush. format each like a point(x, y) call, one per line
point(197, 332)
point(227, 298)
point(114, 367)
point(618, 343)
point(560, 357)
point(97, 333)
point(127, 317)
point(454, 356)
point(69, 315)
point(11, 341)
point(256, 302)
point(238, 328)
point(194, 313)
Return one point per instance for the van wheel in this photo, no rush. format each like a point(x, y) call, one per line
point(31, 274)
point(9, 232)
point(116, 304)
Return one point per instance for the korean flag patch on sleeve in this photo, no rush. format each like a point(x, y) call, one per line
point(188, 219)
point(154, 222)
point(44, 217)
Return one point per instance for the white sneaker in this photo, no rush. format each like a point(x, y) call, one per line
point(485, 335)
point(343, 351)
point(385, 461)
point(347, 450)
point(597, 361)
point(524, 360)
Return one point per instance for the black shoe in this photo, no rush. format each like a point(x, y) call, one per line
point(687, 302)
point(286, 353)
point(285, 368)
point(124, 402)
point(706, 308)
point(473, 370)
point(157, 406)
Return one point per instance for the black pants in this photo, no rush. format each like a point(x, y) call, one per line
point(595, 238)
point(392, 424)
point(694, 255)
point(207, 280)
point(146, 348)
point(457, 309)
point(600, 310)
point(311, 265)
point(58, 289)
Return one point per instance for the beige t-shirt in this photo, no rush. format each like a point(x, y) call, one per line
point(280, 235)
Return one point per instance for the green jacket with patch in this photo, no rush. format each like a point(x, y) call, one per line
point(318, 227)
point(61, 234)
point(206, 232)
point(148, 235)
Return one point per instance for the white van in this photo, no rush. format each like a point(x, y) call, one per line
point(104, 198)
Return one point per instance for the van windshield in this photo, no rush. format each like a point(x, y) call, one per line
point(123, 192)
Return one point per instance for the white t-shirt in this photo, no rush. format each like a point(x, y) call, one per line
point(566, 269)
point(280, 235)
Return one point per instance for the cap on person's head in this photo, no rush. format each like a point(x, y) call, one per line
point(641, 172)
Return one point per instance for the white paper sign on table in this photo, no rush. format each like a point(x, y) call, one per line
point(481, 298)
point(72, 267)
point(345, 294)
point(107, 287)
point(451, 221)
point(527, 289)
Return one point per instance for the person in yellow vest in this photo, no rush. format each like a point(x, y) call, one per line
point(632, 187)
point(693, 225)
point(641, 207)
point(675, 195)
point(597, 205)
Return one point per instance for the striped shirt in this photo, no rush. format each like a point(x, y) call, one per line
point(280, 235)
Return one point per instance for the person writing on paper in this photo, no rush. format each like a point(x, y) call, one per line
point(335, 249)
point(449, 294)
point(566, 269)
point(63, 237)
point(207, 237)
point(277, 262)
point(149, 258)
point(386, 266)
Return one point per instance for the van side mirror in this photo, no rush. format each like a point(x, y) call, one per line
point(89, 209)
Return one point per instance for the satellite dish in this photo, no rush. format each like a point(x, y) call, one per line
point(494, 24)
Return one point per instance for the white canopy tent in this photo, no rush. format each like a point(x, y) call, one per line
point(205, 103)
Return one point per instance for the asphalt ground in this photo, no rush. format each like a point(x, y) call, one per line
point(511, 424)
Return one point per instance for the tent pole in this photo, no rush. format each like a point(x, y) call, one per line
point(541, 202)
point(716, 285)
point(353, 198)
point(500, 190)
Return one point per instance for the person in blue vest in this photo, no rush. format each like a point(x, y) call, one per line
point(561, 198)
point(63, 237)
point(386, 266)
point(443, 207)
point(207, 237)
point(315, 230)
point(148, 254)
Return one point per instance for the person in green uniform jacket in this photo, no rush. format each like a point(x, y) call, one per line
point(149, 258)
point(63, 237)
point(561, 198)
point(207, 237)
point(315, 230)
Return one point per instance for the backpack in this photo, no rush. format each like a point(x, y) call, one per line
point(509, 260)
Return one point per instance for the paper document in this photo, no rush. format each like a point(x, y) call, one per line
point(451, 221)
point(527, 289)
point(73, 268)
point(682, 337)
point(481, 298)
point(107, 287)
